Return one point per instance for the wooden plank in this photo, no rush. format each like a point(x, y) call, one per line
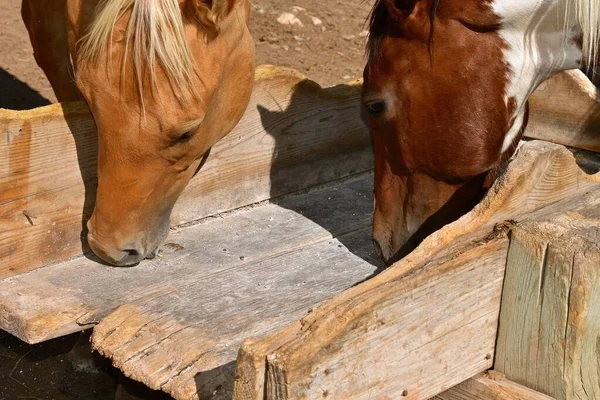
point(59, 299)
point(491, 385)
point(549, 330)
point(184, 340)
point(294, 135)
point(433, 331)
point(433, 315)
point(566, 110)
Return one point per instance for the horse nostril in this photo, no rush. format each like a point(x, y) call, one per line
point(129, 257)
point(132, 252)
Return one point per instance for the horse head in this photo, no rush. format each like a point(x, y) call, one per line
point(445, 95)
point(164, 80)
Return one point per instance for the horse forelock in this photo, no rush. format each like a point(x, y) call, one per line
point(377, 27)
point(376, 19)
point(586, 13)
point(155, 34)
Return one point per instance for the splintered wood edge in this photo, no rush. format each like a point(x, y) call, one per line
point(254, 353)
point(32, 326)
point(262, 73)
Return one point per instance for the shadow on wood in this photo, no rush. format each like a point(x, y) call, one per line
point(244, 273)
point(195, 305)
point(325, 159)
point(222, 375)
point(47, 181)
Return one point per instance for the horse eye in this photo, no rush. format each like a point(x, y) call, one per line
point(184, 138)
point(404, 5)
point(375, 107)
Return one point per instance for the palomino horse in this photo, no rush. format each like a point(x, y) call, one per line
point(164, 80)
point(446, 90)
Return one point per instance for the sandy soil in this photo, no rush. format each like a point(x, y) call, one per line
point(328, 48)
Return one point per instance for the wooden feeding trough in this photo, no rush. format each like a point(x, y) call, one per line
point(271, 248)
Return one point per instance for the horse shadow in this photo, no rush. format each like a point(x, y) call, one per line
point(311, 151)
point(17, 95)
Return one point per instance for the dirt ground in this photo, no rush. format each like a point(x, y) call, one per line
point(328, 47)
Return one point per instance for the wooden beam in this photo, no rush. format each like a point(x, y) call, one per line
point(428, 322)
point(490, 385)
point(294, 135)
point(549, 335)
point(566, 110)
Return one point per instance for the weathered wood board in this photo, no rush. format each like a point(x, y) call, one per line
point(65, 297)
point(184, 316)
point(292, 128)
point(294, 135)
point(549, 334)
point(430, 318)
point(566, 110)
point(491, 385)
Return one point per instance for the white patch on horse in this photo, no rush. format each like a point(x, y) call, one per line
point(538, 46)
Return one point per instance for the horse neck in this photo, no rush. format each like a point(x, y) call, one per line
point(541, 38)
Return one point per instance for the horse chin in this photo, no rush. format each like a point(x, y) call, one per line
point(397, 244)
point(419, 206)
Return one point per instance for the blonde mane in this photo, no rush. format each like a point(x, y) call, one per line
point(587, 15)
point(155, 33)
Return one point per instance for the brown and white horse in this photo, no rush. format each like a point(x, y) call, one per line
point(445, 94)
point(164, 80)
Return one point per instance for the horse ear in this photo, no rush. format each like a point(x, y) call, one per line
point(401, 8)
point(209, 13)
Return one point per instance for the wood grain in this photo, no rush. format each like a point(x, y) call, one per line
point(176, 322)
point(549, 335)
point(566, 110)
point(491, 385)
point(433, 339)
point(294, 135)
point(65, 297)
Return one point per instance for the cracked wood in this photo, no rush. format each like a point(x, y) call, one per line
point(549, 335)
